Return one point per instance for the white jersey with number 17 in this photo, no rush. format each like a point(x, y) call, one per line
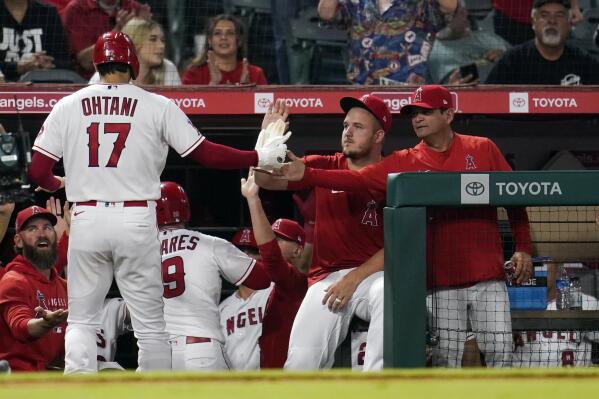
point(114, 141)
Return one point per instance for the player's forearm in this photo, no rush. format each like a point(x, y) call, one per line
point(375, 263)
point(520, 229)
point(348, 180)
point(40, 172)
point(223, 157)
point(270, 183)
point(38, 327)
point(262, 229)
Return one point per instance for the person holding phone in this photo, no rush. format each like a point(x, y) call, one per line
point(462, 55)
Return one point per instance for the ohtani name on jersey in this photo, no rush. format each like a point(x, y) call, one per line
point(107, 105)
point(178, 243)
point(251, 317)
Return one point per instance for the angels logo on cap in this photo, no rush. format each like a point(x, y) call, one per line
point(418, 95)
point(428, 97)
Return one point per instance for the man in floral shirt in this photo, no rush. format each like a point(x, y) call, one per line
point(390, 40)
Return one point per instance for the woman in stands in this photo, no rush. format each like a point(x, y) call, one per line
point(224, 58)
point(148, 37)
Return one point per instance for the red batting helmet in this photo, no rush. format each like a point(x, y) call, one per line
point(116, 47)
point(173, 205)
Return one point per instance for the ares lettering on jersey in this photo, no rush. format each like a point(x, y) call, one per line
point(178, 243)
point(107, 105)
point(250, 317)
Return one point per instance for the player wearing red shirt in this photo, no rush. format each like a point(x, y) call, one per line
point(33, 298)
point(280, 247)
point(464, 251)
point(346, 276)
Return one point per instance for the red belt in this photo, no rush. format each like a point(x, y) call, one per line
point(197, 340)
point(125, 204)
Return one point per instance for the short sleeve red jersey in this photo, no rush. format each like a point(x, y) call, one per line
point(349, 224)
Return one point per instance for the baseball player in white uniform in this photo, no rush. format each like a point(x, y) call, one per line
point(556, 348)
point(115, 321)
point(241, 316)
point(192, 266)
point(114, 138)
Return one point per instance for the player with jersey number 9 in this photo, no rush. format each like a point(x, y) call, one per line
point(192, 266)
point(113, 138)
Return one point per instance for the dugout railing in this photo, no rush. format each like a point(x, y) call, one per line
point(408, 197)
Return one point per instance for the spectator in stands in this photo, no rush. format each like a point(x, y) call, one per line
point(511, 19)
point(33, 297)
point(556, 348)
point(85, 20)
point(547, 59)
point(264, 342)
point(148, 38)
point(32, 38)
point(224, 58)
point(457, 45)
point(389, 40)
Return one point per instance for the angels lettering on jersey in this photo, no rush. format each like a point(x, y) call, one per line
point(20, 46)
point(248, 317)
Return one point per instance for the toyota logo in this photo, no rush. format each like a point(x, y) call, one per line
point(518, 102)
point(263, 102)
point(475, 188)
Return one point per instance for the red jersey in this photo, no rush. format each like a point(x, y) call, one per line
point(463, 244)
point(356, 216)
point(200, 75)
point(22, 289)
point(282, 305)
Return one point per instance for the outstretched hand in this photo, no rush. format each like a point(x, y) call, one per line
point(249, 188)
point(292, 171)
point(52, 318)
point(277, 110)
point(63, 215)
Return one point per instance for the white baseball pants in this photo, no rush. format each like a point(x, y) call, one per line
point(317, 331)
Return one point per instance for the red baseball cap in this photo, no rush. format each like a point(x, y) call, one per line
point(245, 238)
point(372, 104)
point(289, 230)
point(429, 97)
point(33, 211)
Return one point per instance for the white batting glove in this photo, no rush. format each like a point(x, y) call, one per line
point(272, 154)
point(274, 129)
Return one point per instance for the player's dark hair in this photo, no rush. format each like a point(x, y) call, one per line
point(113, 67)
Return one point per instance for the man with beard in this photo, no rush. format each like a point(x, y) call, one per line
point(33, 297)
point(547, 59)
point(346, 276)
